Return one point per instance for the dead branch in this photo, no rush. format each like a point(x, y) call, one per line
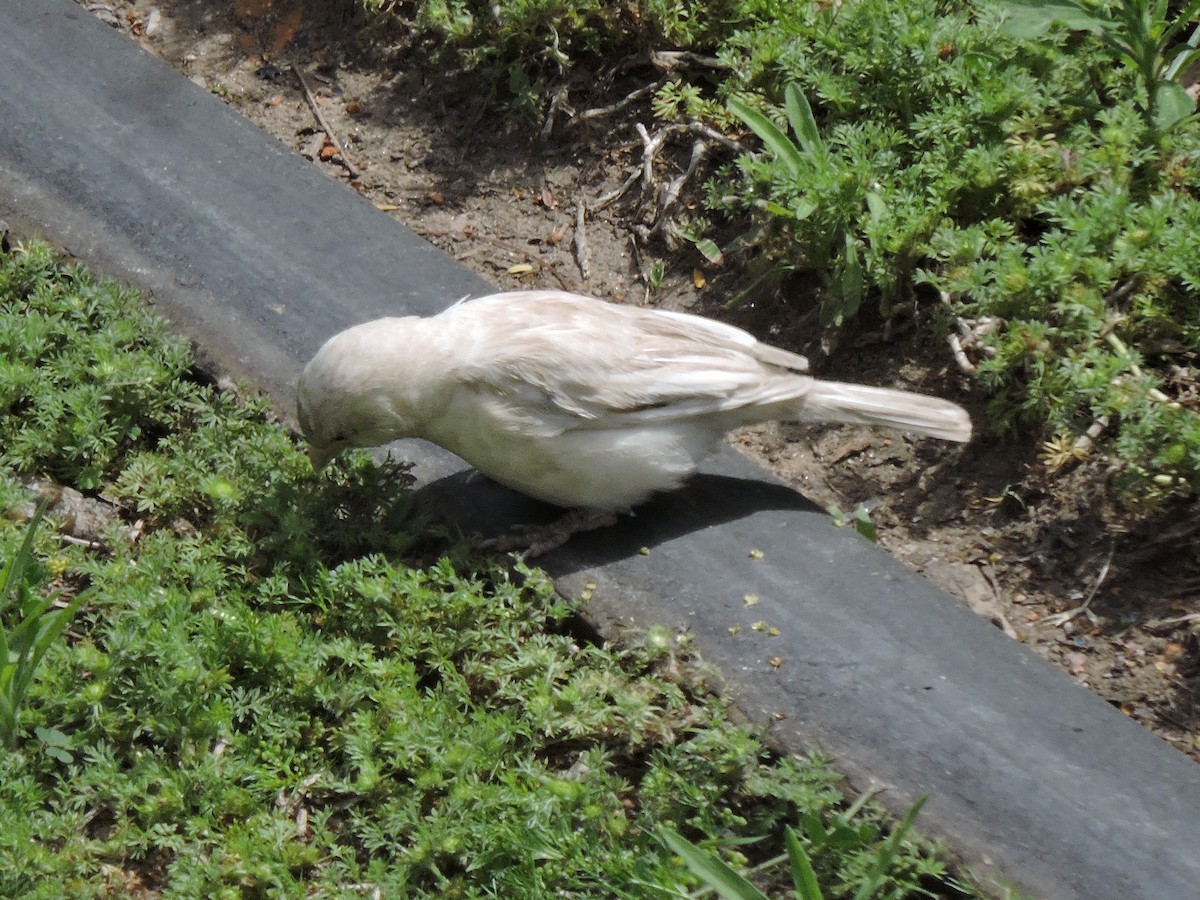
point(1083, 444)
point(583, 254)
point(713, 135)
point(612, 196)
point(673, 60)
point(960, 355)
point(556, 101)
point(970, 332)
point(325, 126)
point(650, 147)
point(670, 193)
point(626, 101)
point(1063, 617)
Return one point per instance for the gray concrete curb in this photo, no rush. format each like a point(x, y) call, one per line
point(259, 257)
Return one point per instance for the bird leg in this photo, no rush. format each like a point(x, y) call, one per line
point(534, 540)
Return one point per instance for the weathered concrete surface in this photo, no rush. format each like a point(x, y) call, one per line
point(259, 257)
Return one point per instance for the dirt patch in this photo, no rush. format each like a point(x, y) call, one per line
point(1023, 545)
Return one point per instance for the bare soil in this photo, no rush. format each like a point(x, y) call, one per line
point(991, 523)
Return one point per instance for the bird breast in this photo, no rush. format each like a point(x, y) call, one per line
point(591, 465)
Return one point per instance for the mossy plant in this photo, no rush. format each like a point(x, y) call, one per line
point(284, 684)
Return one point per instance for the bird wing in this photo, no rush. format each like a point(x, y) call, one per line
point(574, 362)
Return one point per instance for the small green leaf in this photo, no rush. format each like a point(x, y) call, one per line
point(1029, 19)
point(800, 117)
point(803, 876)
point(57, 744)
point(1173, 454)
point(768, 132)
point(852, 279)
point(1172, 104)
point(709, 250)
point(887, 852)
point(876, 207)
point(803, 209)
point(711, 869)
point(863, 524)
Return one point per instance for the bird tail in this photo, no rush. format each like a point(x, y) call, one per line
point(858, 404)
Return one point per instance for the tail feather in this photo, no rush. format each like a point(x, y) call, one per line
point(859, 404)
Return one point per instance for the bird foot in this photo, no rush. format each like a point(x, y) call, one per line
point(534, 540)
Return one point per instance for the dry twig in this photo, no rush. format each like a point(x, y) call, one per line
point(556, 101)
point(671, 60)
point(1084, 443)
point(616, 193)
point(1063, 617)
point(969, 333)
point(713, 135)
point(325, 126)
point(960, 355)
point(650, 147)
point(583, 254)
point(670, 192)
point(632, 97)
point(1172, 622)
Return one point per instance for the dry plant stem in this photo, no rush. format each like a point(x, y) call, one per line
point(1085, 441)
point(989, 575)
point(650, 147)
point(555, 102)
point(960, 355)
point(670, 193)
point(1063, 617)
point(969, 333)
point(713, 135)
point(669, 61)
point(583, 254)
point(1124, 290)
point(627, 100)
point(1172, 622)
point(80, 542)
point(329, 132)
point(672, 60)
point(1119, 346)
point(617, 193)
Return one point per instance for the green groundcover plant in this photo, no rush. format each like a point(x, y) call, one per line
point(259, 694)
point(1029, 170)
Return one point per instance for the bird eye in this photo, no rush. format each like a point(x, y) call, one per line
point(340, 438)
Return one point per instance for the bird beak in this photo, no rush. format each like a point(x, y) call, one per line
point(320, 457)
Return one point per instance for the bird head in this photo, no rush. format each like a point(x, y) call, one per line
point(351, 393)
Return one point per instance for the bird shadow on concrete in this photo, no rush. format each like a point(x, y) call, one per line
point(708, 500)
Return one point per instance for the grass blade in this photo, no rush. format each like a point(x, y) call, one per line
point(23, 646)
point(803, 876)
point(711, 869)
point(804, 124)
point(768, 132)
point(887, 852)
point(14, 570)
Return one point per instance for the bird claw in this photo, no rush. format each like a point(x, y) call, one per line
point(531, 541)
